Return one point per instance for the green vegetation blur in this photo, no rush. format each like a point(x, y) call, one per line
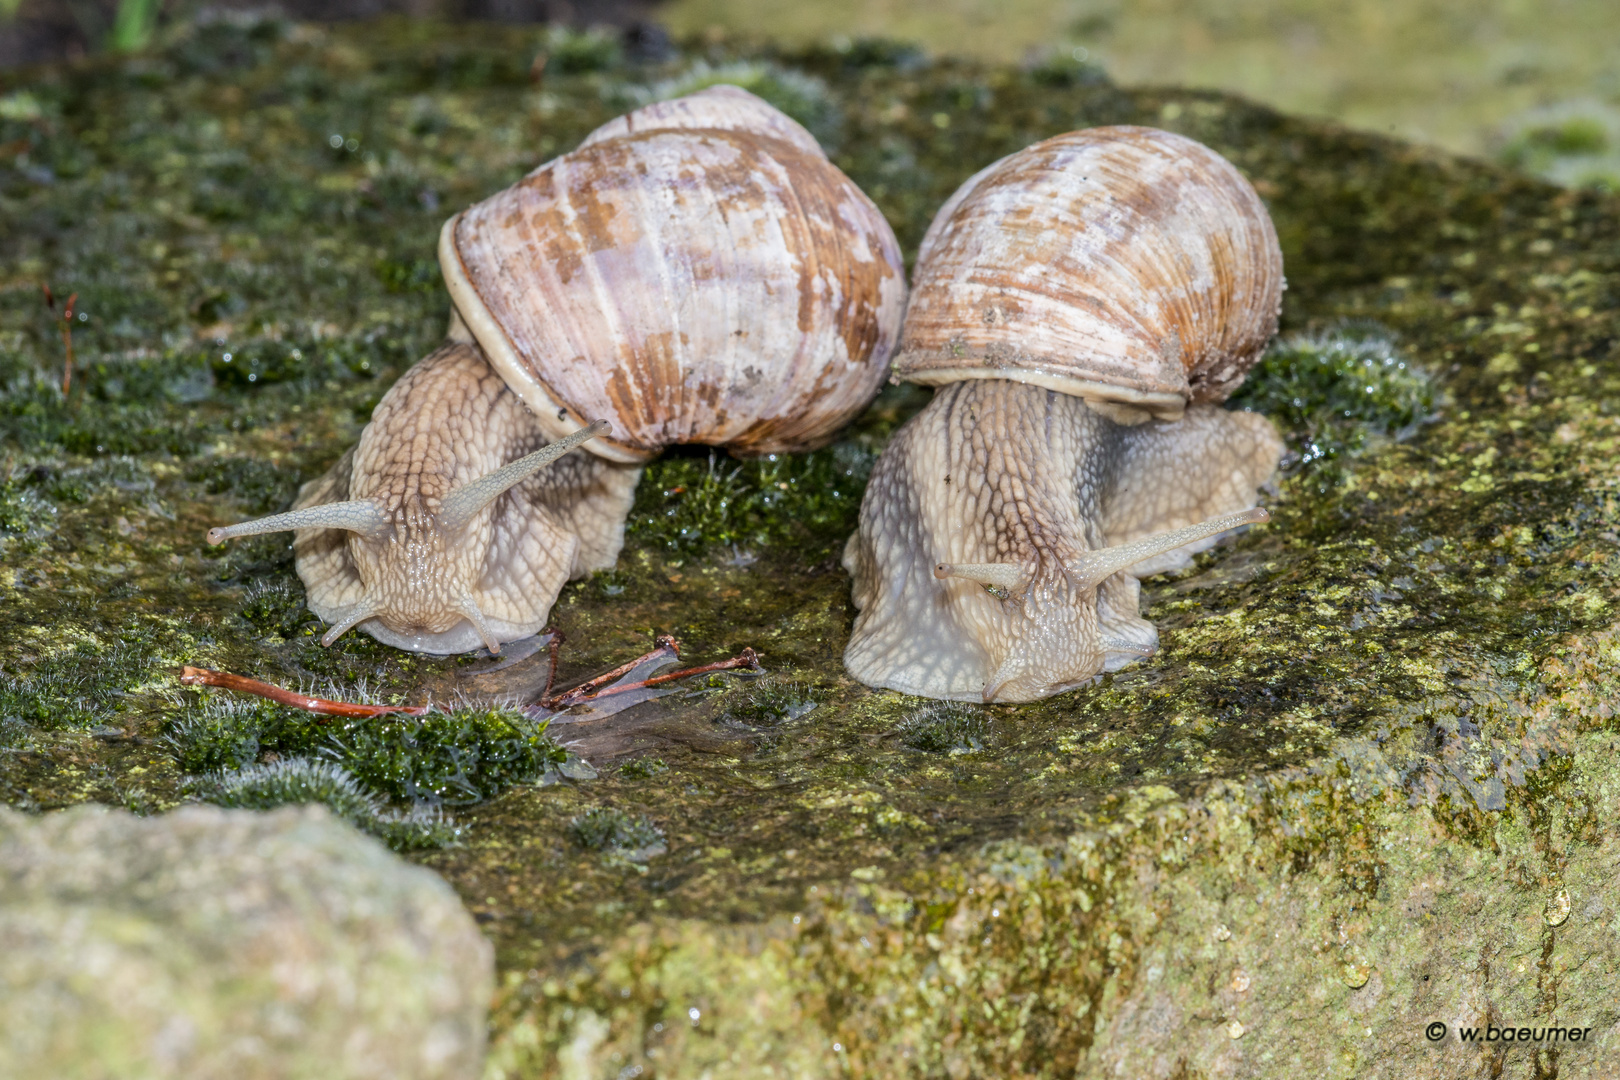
point(1534, 84)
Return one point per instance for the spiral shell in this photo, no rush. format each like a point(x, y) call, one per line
point(1116, 264)
point(695, 271)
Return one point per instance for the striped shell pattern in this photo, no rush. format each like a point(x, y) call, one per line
point(695, 271)
point(1116, 264)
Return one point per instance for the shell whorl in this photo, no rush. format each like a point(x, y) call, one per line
point(1117, 264)
point(719, 108)
point(695, 271)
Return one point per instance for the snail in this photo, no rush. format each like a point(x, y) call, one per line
point(696, 271)
point(1081, 306)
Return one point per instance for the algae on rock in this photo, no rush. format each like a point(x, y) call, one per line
point(1377, 743)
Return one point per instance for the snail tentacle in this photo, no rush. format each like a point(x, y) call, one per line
point(1093, 567)
point(461, 504)
point(358, 516)
point(469, 610)
point(349, 619)
point(1003, 576)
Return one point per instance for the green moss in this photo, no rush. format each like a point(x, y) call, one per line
point(690, 505)
point(643, 768)
point(1337, 392)
point(75, 688)
point(771, 700)
point(278, 607)
point(457, 757)
point(569, 51)
point(944, 727)
point(613, 832)
point(302, 780)
point(23, 511)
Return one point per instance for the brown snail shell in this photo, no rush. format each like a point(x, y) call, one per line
point(1116, 264)
point(694, 272)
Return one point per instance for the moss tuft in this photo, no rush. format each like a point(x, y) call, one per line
point(1337, 393)
point(946, 727)
point(643, 768)
point(14, 734)
point(569, 51)
point(76, 689)
point(260, 486)
point(457, 757)
point(769, 701)
point(277, 607)
point(303, 780)
point(24, 513)
point(692, 505)
point(616, 833)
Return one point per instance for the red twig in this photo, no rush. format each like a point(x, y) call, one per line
point(748, 658)
point(667, 646)
point(191, 676)
point(67, 334)
point(596, 688)
point(556, 644)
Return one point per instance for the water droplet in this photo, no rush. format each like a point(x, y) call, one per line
point(1557, 909)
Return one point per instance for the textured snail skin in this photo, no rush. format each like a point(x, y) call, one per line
point(447, 422)
point(993, 471)
point(997, 471)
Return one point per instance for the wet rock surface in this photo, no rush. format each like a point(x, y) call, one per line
point(1368, 784)
point(214, 943)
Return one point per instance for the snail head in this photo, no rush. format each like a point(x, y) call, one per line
point(1064, 611)
point(417, 574)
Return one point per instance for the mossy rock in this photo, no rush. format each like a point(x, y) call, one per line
point(1368, 784)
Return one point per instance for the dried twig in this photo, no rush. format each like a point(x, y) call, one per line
point(591, 690)
point(191, 676)
point(556, 643)
point(67, 334)
point(668, 647)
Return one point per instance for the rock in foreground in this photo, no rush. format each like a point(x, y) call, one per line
point(218, 943)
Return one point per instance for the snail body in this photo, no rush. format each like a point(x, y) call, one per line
point(1082, 305)
point(695, 271)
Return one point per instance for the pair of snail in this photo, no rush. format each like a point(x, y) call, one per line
point(698, 271)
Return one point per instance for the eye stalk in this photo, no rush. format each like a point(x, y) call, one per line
point(462, 504)
point(1001, 580)
point(1094, 567)
point(361, 516)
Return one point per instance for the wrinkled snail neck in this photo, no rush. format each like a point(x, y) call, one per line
point(373, 522)
point(1094, 567)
